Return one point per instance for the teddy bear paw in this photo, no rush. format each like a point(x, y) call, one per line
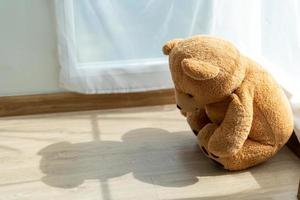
point(212, 156)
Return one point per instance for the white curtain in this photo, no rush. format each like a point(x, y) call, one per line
point(109, 46)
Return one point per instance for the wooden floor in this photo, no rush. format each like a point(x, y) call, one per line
point(136, 153)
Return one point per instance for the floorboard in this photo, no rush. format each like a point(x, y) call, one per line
point(134, 153)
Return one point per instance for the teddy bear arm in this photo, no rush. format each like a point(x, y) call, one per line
point(197, 120)
point(230, 136)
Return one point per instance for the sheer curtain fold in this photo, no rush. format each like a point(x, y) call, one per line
point(108, 46)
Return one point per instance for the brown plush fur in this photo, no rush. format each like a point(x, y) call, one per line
point(239, 113)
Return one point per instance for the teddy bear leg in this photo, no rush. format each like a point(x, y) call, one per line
point(204, 135)
point(197, 120)
point(252, 153)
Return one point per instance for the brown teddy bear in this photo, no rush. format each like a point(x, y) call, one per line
point(239, 113)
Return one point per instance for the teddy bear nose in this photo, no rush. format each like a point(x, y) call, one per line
point(178, 107)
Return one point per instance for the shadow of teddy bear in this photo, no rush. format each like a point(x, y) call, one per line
point(173, 160)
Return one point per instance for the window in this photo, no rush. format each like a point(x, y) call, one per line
point(115, 46)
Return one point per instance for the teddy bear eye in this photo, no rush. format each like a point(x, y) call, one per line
point(191, 96)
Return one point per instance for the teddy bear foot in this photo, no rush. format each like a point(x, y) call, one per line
point(252, 153)
point(204, 150)
point(214, 156)
point(218, 163)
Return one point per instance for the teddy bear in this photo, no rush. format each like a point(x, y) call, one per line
point(238, 112)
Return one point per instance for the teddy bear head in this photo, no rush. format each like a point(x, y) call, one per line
point(204, 70)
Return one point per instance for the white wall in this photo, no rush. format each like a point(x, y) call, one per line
point(28, 54)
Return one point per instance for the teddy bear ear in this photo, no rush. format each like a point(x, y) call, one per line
point(199, 70)
point(170, 45)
